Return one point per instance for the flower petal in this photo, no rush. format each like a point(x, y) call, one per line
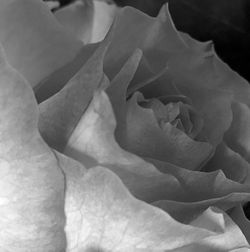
point(238, 216)
point(60, 114)
point(32, 184)
point(149, 34)
point(117, 91)
point(218, 221)
point(231, 163)
point(196, 70)
point(144, 137)
point(103, 215)
point(77, 18)
point(94, 137)
point(88, 20)
point(238, 136)
point(138, 131)
point(35, 43)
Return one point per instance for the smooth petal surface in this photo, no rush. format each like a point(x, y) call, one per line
point(94, 138)
point(239, 217)
point(231, 163)
point(60, 114)
point(103, 215)
point(183, 193)
point(35, 43)
point(138, 131)
point(175, 65)
point(52, 4)
point(144, 137)
point(88, 20)
point(195, 70)
point(32, 184)
point(238, 136)
point(77, 18)
point(216, 220)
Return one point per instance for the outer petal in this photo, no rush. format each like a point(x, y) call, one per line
point(215, 219)
point(32, 184)
point(77, 18)
point(231, 163)
point(238, 136)
point(238, 216)
point(88, 20)
point(35, 44)
point(94, 137)
point(138, 131)
point(102, 215)
point(60, 114)
point(186, 193)
point(196, 70)
point(155, 37)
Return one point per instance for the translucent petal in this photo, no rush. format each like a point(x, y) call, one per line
point(35, 43)
point(32, 183)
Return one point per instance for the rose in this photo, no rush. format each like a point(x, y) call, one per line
point(42, 191)
point(88, 195)
point(194, 68)
point(49, 202)
point(203, 92)
point(214, 134)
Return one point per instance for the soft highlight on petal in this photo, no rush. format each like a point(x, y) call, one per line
point(103, 215)
point(60, 114)
point(32, 184)
point(35, 43)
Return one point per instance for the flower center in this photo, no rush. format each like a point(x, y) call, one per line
point(179, 114)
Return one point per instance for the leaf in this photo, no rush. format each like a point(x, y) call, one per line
point(35, 43)
point(32, 183)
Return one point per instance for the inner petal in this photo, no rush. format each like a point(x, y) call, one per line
point(144, 137)
point(165, 113)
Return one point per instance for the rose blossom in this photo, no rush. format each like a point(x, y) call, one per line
point(177, 104)
point(90, 119)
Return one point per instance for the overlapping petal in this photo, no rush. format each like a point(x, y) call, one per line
point(35, 43)
point(50, 202)
point(32, 184)
point(88, 20)
point(60, 114)
point(93, 140)
point(103, 215)
point(172, 65)
point(94, 137)
point(239, 217)
point(38, 184)
point(238, 135)
point(234, 166)
point(77, 18)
